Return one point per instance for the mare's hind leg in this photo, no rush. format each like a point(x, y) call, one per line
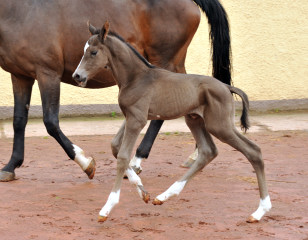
point(22, 88)
point(145, 146)
point(206, 153)
point(49, 84)
point(252, 152)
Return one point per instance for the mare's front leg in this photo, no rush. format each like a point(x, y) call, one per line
point(22, 88)
point(131, 129)
point(49, 84)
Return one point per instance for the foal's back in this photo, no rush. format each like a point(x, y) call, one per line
point(174, 95)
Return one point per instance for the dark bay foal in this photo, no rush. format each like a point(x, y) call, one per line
point(147, 92)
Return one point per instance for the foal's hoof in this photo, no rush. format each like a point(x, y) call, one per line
point(102, 218)
point(7, 176)
point(90, 171)
point(188, 163)
point(146, 197)
point(251, 219)
point(157, 202)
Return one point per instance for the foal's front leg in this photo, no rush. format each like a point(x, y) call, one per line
point(132, 129)
point(130, 171)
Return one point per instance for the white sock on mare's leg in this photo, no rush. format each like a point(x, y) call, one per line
point(80, 158)
point(134, 179)
point(136, 163)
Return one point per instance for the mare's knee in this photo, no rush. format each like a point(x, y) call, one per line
point(19, 123)
point(52, 125)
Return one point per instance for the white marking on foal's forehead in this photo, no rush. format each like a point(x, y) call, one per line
point(86, 47)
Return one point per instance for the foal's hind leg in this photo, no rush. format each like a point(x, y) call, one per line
point(206, 153)
point(252, 152)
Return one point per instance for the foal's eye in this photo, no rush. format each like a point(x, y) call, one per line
point(93, 53)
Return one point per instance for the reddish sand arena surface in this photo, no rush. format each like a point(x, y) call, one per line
point(53, 199)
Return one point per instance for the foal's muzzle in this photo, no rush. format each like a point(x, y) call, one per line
point(81, 80)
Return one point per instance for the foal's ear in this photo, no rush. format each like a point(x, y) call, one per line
point(92, 29)
point(104, 32)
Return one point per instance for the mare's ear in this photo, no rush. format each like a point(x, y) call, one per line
point(104, 32)
point(92, 29)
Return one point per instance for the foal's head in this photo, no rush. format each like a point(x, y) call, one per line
point(95, 57)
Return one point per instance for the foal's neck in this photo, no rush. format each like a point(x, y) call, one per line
point(125, 64)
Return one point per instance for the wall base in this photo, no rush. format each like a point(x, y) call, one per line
point(103, 109)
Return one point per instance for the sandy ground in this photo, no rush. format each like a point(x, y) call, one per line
point(53, 199)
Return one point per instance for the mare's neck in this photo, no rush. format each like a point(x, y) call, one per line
point(126, 66)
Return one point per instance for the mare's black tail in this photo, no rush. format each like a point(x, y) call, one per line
point(244, 118)
point(220, 38)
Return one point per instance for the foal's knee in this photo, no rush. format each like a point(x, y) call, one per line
point(122, 164)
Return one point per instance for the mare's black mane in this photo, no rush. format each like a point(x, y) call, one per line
point(146, 62)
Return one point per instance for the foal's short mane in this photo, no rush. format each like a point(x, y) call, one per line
point(146, 62)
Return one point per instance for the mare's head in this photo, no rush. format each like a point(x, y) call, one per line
point(95, 57)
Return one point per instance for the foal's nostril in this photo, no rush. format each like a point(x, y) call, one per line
point(77, 77)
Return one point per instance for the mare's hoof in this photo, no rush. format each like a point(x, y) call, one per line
point(7, 176)
point(251, 219)
point(188, 163)
point(102, 218)
point(157, 202)
point(137, 170)
point(90, 171)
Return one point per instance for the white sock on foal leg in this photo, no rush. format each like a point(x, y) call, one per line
point(264, 206)
point(173, 190)
point(113, 199)
point(136, 180)
point(80, 158)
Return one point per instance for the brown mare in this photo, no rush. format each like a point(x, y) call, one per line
point(43, 40)
point(149, 92)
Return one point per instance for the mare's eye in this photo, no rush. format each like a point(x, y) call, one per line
point(93, 53)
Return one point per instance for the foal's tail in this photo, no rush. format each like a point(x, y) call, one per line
point(244, 118)
point(220, 38)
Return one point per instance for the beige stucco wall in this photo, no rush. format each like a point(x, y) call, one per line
point(269, 42)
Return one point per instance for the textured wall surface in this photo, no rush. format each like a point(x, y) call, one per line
point(269, 45)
